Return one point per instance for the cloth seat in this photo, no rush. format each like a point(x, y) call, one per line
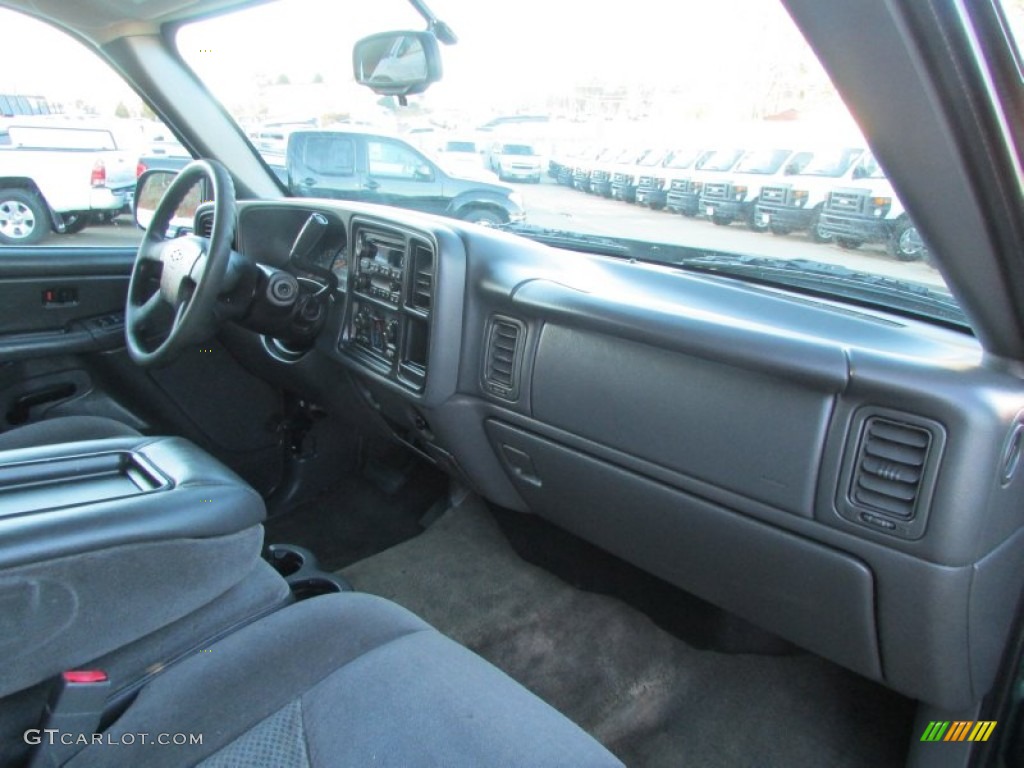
point(64, 429)
point(342, 680)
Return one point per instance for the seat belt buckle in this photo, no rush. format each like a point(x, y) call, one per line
point(72, 715)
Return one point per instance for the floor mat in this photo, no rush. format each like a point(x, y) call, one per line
point(358, 518)
point(649, 697)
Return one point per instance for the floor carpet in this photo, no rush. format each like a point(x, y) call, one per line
point(648, 696)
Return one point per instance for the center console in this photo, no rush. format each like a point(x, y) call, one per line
point(388, 326)
point(106, 541)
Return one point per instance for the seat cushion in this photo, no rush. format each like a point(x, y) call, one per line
point(64, 429)
point(346, 679)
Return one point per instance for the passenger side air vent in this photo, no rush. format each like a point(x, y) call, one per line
point(422, 297)
point(890, 467)
point(890, 480)
point(502, 359)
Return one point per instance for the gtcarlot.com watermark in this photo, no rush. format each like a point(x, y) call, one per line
point(52, 736)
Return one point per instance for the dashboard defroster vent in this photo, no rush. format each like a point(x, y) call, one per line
point(889, 482)
point(503, 357)
point(422, 276)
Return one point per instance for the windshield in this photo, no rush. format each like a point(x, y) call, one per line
point(582, 99)
point(832, 164)
point(721, 160)
point(652, 158)
point(517, 149)
point(682, 159)
point(764, 161)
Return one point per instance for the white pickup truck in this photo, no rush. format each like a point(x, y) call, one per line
point(56, 177)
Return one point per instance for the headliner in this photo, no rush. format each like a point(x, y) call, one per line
point(101, 21)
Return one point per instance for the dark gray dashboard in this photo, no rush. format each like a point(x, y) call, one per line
point(845, 477)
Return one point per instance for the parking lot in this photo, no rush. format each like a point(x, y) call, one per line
point(557, 207)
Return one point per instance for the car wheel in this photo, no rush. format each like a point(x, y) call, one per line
point(754, 221)
point(905, 243)
point(483, 216)
point(778, 229)
point(657, 206)
point(818, 235)
point(721, 221)
point(848, 244)
point(24, 219)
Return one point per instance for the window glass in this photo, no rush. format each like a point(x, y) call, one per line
point(389, 159)
point(329, 156)
point(74, 137)
point(599, 95)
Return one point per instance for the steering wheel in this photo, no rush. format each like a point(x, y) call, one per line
point(179, 278)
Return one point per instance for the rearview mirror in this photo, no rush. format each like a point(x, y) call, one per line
point(397, 63)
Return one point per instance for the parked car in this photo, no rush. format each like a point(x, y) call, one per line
point(654, 183)
point(584, 166)
point(57, 177)
point(867, 210)
point(685, 188)
point(734, 198)
point(517, 161)
point(626, 179)
point(603, 170)
point(796, 203)
point(353, 165)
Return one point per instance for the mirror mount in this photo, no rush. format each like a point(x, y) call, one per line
point(435, 26)
point(397, 63)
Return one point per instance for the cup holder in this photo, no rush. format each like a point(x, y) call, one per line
point(287, 559)
point(300, 569)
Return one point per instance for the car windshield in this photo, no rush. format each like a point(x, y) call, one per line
point(517, 149)
point(576, 87)
point(682, 159)
point(833, 163)
point(763, 161)
point(652, 158)
point(721, 160)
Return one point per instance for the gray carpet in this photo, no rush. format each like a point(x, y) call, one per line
point(649, 697)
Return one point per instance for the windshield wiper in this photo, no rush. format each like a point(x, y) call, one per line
point(820, 279)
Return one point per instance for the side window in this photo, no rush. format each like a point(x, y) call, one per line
point(72, 139)
point(329, 155)
point(391, 160)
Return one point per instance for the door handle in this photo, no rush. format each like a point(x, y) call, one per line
point(309, 181)
point(371, 185)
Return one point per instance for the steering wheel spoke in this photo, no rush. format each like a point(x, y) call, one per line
point(143, 314)
point(186, 273)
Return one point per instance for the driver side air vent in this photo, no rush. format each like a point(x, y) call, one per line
point(204, 223)
point(889, 483)
point(502, 359)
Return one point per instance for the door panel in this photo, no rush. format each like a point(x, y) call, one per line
point(60, 358)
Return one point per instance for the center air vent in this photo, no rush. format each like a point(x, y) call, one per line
point(502, 357)
point(422, 276)
point(889, 482)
